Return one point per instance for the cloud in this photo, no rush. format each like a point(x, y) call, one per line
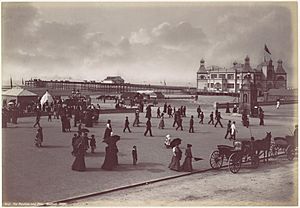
point(182, 33)
point(140, 37)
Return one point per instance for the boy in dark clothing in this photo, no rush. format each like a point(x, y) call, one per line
point(134, 155)
point(126, 125)
point(93, 143)
point(211, 118)
point(191, 130)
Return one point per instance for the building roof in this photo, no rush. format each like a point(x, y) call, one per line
point(280, 69)
point(18, 92)
point(113, 78)
point(202, 67)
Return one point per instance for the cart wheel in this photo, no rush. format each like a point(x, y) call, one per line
point(254, 161)
point(216, 160)
point(290, 152)
point(235, 162)
point(273, 153)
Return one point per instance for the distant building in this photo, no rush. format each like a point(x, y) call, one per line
point(214, 78)
point(113, 80)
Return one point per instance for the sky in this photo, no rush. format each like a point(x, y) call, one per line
point(142, 42)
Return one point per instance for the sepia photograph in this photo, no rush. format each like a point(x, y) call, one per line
point(149, 103)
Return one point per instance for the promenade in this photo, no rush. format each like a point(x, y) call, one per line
point(32, 174)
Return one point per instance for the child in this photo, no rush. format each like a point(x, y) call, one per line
point(93, 143)
point(39, 137)
point(134, 155)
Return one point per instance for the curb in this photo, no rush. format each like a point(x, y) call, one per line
point(69, 200)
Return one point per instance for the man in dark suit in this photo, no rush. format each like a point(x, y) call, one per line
point(191, 130)
point(148, 127)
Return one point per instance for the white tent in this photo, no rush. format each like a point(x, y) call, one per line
point(46, 97)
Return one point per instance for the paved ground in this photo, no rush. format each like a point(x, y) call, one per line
point(33, 174)
point(274, 183)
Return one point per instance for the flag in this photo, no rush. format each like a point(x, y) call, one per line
point(267, 50)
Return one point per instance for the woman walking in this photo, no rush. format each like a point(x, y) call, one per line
point(187, 164)
point(79, 162)
point(175, 162)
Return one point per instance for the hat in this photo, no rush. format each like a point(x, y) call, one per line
point(168, 136)
point(189, 145)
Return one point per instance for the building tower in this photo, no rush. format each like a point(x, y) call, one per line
point(248, 96)
point(280, 76)
point(202, 77)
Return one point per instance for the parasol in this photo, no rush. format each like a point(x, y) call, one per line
point(197, 158)
point(175, 142)
point(112, 140)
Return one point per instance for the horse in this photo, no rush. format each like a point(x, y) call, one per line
point(263, 145)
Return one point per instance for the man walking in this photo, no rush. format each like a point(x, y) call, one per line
point(126, 125)
point(211, 121)
point(191, 130)
point(199, 111)
point(228, 129)
point(201, 117)
point(218, 117)
point(176, 114)
point(136, 119)
point(261, 118)
point(148, 127)
point(38, 118)
point(233, 131)
point(179, 122)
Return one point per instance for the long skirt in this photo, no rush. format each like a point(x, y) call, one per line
point(161, 124)
point(79, 163)
point(111, 159)
point(187, 165)
point(175, 164)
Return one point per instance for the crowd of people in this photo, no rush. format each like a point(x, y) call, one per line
point(83, 114)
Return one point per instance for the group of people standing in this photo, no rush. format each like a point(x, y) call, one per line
point(176, 157)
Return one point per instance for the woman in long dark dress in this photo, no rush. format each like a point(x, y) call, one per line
point(175, 162)
point(109, 162)
point(187, 164)
point(79, 163)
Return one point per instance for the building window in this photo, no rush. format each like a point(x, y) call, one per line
point(218, 86)
point(222, 76)
point(230, 86)
point(230, 76)
point(213, 76)
point(202, 77)
point(212, 85)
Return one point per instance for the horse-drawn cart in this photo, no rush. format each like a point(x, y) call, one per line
point(284, 145)
point(241, 151)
